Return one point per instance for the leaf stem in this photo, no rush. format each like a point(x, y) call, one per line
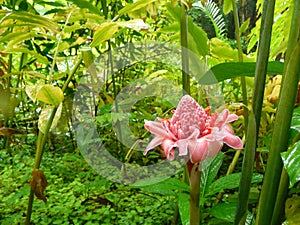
point(42, 138)
point(184, 48)
point(240, 55)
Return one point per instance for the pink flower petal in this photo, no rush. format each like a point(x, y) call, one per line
point(182, 147)
point(156, 128)
point(214, 148)
point(198, 150)
point(231, 118)
point(168, 147)
point(233, 141)
point(157, 140)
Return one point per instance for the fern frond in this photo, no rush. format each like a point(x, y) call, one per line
point(212, 11)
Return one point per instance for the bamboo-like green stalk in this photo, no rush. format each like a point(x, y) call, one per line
point(284, 180)
point(258, 94)
point(184, 49)
point(42, 138)
point(240, 55)
point(282, 122)
point(281, 196)
point(247, 168)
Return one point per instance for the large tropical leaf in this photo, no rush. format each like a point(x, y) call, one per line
point(107, 29)
point(23, 18)
point(197, 38)
point(230, 70)
point(291, 162)
point(135, 6)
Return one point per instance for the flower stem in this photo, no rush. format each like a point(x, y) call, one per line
point(195, 177)
point(184, 49)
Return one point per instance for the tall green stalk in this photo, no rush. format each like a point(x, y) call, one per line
point(184, 48)
point(42, 138)
point(283, 118)
point(247, 168)
point(258, 94)
point(284, 180)
point(240, 54)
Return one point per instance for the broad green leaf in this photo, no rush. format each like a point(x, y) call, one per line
point(88, 57)
point(184, 208)
point(45, 116)
point(227, 6)
point(292, 211)
point(50, 95)
point(166, 187)
point(291, 162)
point(244, 26)
point(224, 211)
point(197, 38)
point(135, 6)
point(82, 4)
point(32, 91)
point(40, 58)
point(107, 29)
point(229, 182)
point(295, 123)
point(230, 70)
point(29, 19)
point(104, 32)
point(136, 24)
point(17, 37)
point(210, 168)
point(63, 46)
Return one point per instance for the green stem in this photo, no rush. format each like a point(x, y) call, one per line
point(195, 177)
point(247, 170)
point(258, 94)
point(280, 138)
point(57, 46)
point(240, 54)
point(262, 59)
point(279, 141)
point(184, 49)
point(281, 197)
point(42, 138)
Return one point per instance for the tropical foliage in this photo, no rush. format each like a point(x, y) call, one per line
point(76, 76)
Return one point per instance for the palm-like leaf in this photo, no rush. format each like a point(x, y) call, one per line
point(211, 10)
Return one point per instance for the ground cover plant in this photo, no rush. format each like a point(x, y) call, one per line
point(149, 112)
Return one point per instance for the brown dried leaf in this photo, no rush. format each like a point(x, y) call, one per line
point(38, 184)
point(9, 131)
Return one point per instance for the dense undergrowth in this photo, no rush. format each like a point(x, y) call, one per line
point(76, 193)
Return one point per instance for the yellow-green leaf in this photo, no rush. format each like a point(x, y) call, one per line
point(136, 24)
point(135, 6)
point(104, 32)
point(32, 91)
point(227, 6)
point(244, 26)
point(50, 95)
point(45, 116)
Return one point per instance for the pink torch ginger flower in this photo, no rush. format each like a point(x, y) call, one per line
point(193, 131)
